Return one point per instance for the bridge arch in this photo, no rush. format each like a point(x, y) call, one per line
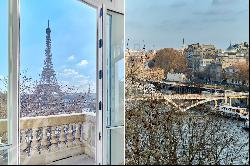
point(199, 103)
point(202, 99)
point(193, 105)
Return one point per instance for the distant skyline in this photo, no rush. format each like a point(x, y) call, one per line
point(73, 34)
point(164, 23)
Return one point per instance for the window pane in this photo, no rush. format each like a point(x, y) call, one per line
point(115, 110)
point(115, 53)
point(116, 145)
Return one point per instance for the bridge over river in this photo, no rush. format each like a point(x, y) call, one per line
point(196, 99)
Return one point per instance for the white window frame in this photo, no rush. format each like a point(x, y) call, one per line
point(13, 84)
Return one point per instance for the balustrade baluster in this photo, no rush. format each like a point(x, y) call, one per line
point(57, 135)
point(73, 133)
point(80, 132)
point(66, 133)
point(39, 137)
point(28, 140)
point(49, 138)
point(23, 144)
point(61, 137)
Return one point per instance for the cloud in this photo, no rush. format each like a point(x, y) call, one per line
point(70, 58)
point(178, 4)
point(72, 78)
point(73, 74)
point(213, 12)
point(83, 63)
point(219, 15)
point(69, 72)
point(218, 20)
point(223, 2)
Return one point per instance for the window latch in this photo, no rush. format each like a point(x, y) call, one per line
point(100, 43)
point(100, 105)
point(101, 12)
point(100, 136)
point(100, 74)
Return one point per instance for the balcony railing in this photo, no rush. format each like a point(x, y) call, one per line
point(46, 139)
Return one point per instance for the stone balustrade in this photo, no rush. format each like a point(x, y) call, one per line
point(52, 138)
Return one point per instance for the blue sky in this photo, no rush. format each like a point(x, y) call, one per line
point(163, 23)
point(73, 26)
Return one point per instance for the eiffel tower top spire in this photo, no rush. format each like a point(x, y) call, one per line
point(48, 73)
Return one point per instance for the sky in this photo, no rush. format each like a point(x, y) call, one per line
point(73, 34)
point(164, 23)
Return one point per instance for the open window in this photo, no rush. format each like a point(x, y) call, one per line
point(58, 82)
point(59, 89)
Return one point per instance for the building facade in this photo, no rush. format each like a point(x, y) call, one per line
point(237, 53)
point(200, 55)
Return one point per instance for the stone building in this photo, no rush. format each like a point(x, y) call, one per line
point(200, 55)
point(237, 53)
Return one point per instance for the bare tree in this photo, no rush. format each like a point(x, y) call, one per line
point(242, 72)
point(171, 59)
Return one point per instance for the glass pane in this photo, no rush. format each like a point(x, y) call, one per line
point(115, 53)
point(115, 110)
point(58, 82)
point(3, 80)
point(116, 144)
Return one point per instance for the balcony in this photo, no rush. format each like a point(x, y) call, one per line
point(57, 139)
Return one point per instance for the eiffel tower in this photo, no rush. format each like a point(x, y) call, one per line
point(49, 96)
point(48, 73)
